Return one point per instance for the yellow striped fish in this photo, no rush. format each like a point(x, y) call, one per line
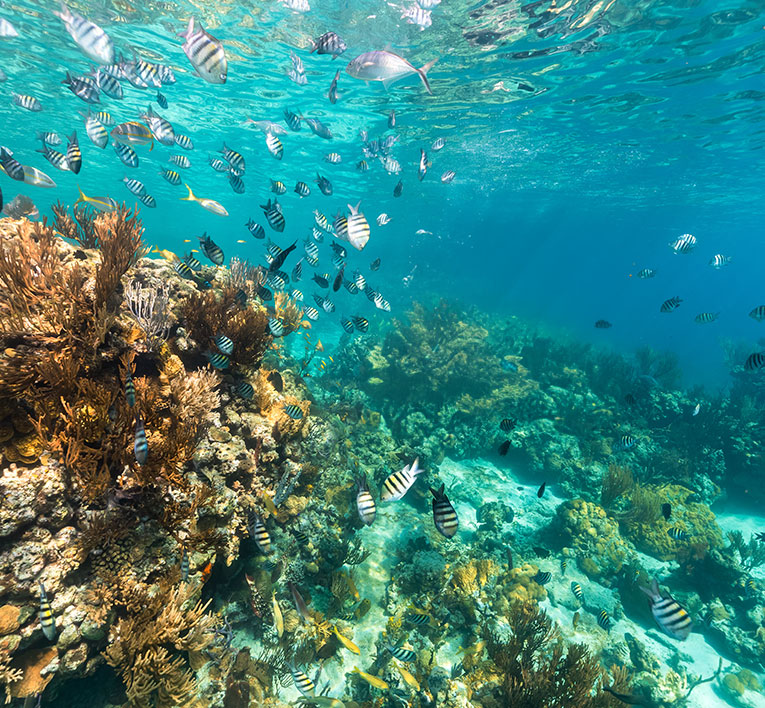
point(47, 620)
point(98, 203)
point(397, 484)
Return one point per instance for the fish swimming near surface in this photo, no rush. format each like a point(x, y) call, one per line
point(397, 484)
point(354, 228)
point(329, 43)
point(209, 204)
point(385, 66)
point(87, 35)
point(205, 53)
point(668, 613)
point(444, 515)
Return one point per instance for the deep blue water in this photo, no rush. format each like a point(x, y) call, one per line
point(583, 142)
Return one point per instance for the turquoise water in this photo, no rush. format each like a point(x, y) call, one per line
point(583, 141)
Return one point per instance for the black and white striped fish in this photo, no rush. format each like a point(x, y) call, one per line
point(706, 317)
point(28, 102)
point(646, 273)
point(401, 653)
point(160, 127)
point(82, 87)
point(126, 154)
point(354, 228)
point(273, 214)
point(236, 183)
point(576, 588)
point(303, 684)
point(542, 577)
point(677, 534)
point(294, 412)
point(225, 344)
point(56, 158)
point(45, 613)
point(365, 504)
point(259, 534)
point(670, 305)
point(719, 260)
point(140, 445)
point(275, 327)
point(444, 516)
point(274, 146)
point(683, 244)
point(95, 130)
point(302, 189)
point(49, 137)
point(233, 158)
point(205, 53)
point(181, 161)
point(108, 83)
point(211, 249)
point(73, 154)
point(333, 158)
point(135, 186)
point(147, 73)
point(88, 36)
point(604, 620)
point(360, 323)
point(184, 141)
point(346, 324)
point(397, 484)
point(448, 176)
point(755, 361)
point(147, 200)
point(359, 280)
point(311, 313)
point(171, 176)
point(438, 144)
point(219, 165)
point(422, 170)
point(758, 313)
point(256, 229)
point(329, 43)
point(668, 613)
point(292, 119)
point(311, 249)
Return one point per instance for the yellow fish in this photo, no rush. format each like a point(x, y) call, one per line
point(167, 255)
point(278, 618)
point(98, 203)
point(347, 643)
point(187, 240)
point(241, 241)
point(371, 680)
point(319, 346)
point(133, 133)
point(269, 502)
point(476, 649)
point(210, 204)
point(410, 680)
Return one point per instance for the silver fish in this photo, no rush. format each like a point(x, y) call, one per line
point(205, 53)
point(88, 36)
point(387, 67)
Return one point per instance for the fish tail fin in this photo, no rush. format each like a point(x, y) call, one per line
point(191, 197)
point(423, 74)
point(188, 31)
point(73, 137)
point(354, 209)
point(82, 197)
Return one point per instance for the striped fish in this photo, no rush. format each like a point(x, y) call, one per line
point(135, 186)
point(677, 534)
point(275, 327)
point(180, 161)
point(211, 249)
point(604, 620)
point(218, 360)
point(758, 313)
point(140, 445)
point(146, 72)
point(576, 588)
point(73, 154)
point(196, 266)
point(82, 87)
point(28, 102)
point(683, 244)
point(244, 389)
point(259, 534)
point(95, 130)
point(293, 411)
point(109, 84)
point(448, 176)
point(236, 183)
point(147, 200)
point(670, 305)
point(224, 344)
point(256, 230)
point(56, 158)
point(184, 141)
point(444, 515)
point(754, 361)
point(321, 220)
point(184, 565)
point(126, 154)
point(273, 214)
point(274, 146)
point(417, 620)
point(183, 270)
point(49, 137)
point(45, 614)
point(278, 187)
point(360, 323)
point(333, 158)
point(171, 176)
point(129, 390)
point(88, 36)
point(161, 128)
point(297, 272)
point(706, 317)
point(365, 504)
point(397, 484)
point(292, 119)
point(205, 53)
point(302, 682)
point(233, 158)
point(354, 228)
point(311, 313)
point(646, 273)
point(542, 577)
point(360, 280)
point(669, 615)
point(302, 189)
point(346, 324)
point(401, 653)
point(165, 74)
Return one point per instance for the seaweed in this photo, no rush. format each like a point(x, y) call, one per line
point(752, 554)
point(617, 482)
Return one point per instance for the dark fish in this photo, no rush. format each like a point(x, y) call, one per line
point(360, 323)
point(758, 313)
point(302, 189)
point(362, 166)
point(504, 447)
point(541, 552)
point(45, 613)
point(329, 43)
point(666, 510)
point(278, 261)
point(754, 361)
point(541, 490)
point(365, 504)
point(338, 279)
point(417, 620)
point(318, 128)
point(148, 200)
point(670, 305)
point(161, 100)
point(332, 93)
point(293, 411)
point(273, 214)
point(210, 249)
point(628, 698)
point(236, 182)
point(275, 378)
point(325, 186)
point(292, 120)
point(224, 344)
point(398, 189)
point(626, 442)
point(140, 445)
point(576, 588)
point(218, 360)
point(233, 158)
point(630, 400)
point(604, 620)
point(507, 424)
point(401, 653)
point(184, 565)
point(375, 264)
point(12, 166)
point(129, 390)
point(183, 270)
point(542, 577)
point(603, 324)
point(321, 280)
point(444, 516)
point(669, 615)
point(259, 534)
point(677, 534)
point(73, 154)
point(646, 273)
point(56, 158)
point(256, 230)
point(125, 153)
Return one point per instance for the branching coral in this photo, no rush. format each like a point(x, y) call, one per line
point(751, 554)
point(616, 482)
point(537, 667)
point(149, 307)
point(150, 648)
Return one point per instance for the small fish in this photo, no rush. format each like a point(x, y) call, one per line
point(140, 445)
point(218, 360)
point(668, 613)
point(161, 100)
point(303, 684)
point(302, 189)
point(131, 133)
point(311, 313)
point(646, 273)
point(541, 490)
point(666, 510)
point(354, 228)
point(444, 515)
point(422, 170)
point(126, 154)
point(233, 158)
point(706, 317)
point(184, 141)
point(171, 176)
point(331, 94)
point(375, 264)
point(626, 442)
point(604, 620)
point(275, 379)
point(318, 128)
point(576, 588)
point(409, 680)
point(397, 484)
point(362, 166)
point(677, 534)
point(696, 410)
point(73, 154)
point(398, 189)
point(259, 534)
point(211, 249)
point(225, 344)
point(87, 35)
point(387, 67)
point(401, 653)
point(575, 620)
point(325, 186)
point(507, 424)
point(104, 204)
point(603, 324)
point(48, 137)
point(205, 53)
point(758, 313)
point(438, 144)
point(273, 213)
point(129, 390)
point(360, 323)
point(184, 565)
point(161, 129)
point(82, 87)
point(329, 43)
point(275, 327)
point(448, 176)
point(417, 15)
point(56, 158)
point(45, 614)
point(236, 183)
point(542, 577)
point(373, 681)
point(30, 103)
point(209, 204)
point(719, 260)
point(683, 244)
point(181, 161)
point(504, 447)
point(294, 412)
point(256, 230)
point(347, 643)
point(383, 219)
point(300, 605)
point(274, 146)
point(292, 120)
point(754, 361)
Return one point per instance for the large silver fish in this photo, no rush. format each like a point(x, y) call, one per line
point(387, 67)
point(205, 53)
point(87, 35)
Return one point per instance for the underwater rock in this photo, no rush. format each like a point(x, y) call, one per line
point(493, 515)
